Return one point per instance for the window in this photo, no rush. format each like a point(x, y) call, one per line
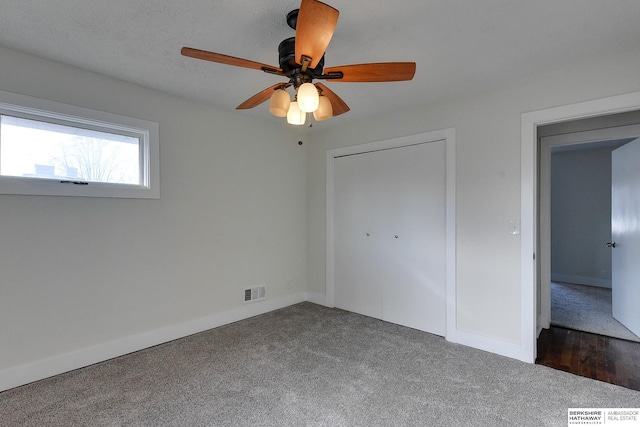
point(49, 148)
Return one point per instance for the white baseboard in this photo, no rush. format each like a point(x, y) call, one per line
point(319, 299)
point(492, 345)
point(27, 373)
point(581, 280)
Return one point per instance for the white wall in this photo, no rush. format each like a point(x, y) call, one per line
point(79, 273)
point(241, 203)
point(581, 216)
point(488, 182)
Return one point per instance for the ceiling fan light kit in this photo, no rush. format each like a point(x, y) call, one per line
point(280, 102)
point(308, 98)
point(301, 60)
point(295, 116)
point(324, 111)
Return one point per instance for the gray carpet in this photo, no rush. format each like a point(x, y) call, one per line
point(586, 308)
point(308, 365)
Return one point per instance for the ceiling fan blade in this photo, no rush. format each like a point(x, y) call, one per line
point(376, 72)
point(226, 59)
point(259, 98)
point(337, 104)
point(316, 23)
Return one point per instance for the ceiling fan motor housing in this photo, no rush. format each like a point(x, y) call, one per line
point(292, 18)
point(287, 54)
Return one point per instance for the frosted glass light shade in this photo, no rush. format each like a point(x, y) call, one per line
point(294, 115)
point(279, 104)
point(324, 111)
point(308, 97)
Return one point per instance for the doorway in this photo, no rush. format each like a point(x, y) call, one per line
point(572, 351)
point(529, 261)
point(575, 220)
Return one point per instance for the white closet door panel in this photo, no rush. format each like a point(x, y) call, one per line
point(357, 288)
point(414, 262)
point(378, 196)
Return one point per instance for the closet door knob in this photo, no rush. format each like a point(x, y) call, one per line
point(611, 244)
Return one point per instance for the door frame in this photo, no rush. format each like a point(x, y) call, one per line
point(447, 135)
point(529, 163)
point(546, 146)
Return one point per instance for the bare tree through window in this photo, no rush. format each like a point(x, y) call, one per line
point(97, 160)
point(40, 149)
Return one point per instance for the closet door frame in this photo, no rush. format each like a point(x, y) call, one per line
point(447, 135)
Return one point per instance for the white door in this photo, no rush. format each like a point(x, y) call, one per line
point(357, 286)
point(625, 232)
point(389, 242)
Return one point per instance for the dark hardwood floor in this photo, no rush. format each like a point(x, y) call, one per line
point(590, 355)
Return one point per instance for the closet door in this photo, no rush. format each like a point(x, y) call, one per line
point(389, 238)
point(358, 218)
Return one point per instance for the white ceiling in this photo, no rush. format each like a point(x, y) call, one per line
point(461, 47)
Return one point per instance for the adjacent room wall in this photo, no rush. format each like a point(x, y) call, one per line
point(488, 183)
point(581, 216)
point(80, 274)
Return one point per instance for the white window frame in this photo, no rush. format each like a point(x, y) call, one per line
point(70, 115)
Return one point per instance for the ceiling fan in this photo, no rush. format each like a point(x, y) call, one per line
point(302, 61)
